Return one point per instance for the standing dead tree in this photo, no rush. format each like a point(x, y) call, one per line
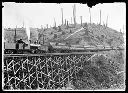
point(65, 21)
point(62, 15)
point(74, 14)
point(54, 22)
point(90, 14)
point(71, 20)
point(81, 20)
point(107, 21)
point(100, 17)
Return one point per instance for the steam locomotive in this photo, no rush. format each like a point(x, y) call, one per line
point(20, 47)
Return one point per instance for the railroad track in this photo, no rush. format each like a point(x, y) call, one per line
point(50, 54)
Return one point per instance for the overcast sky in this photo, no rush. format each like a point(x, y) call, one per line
point(37, 14)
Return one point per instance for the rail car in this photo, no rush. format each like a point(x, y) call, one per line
point(62, 48)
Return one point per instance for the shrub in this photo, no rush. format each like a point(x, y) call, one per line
point(99, 74)
point(55, 35)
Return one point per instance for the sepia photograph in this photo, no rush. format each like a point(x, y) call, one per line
point(63, 47)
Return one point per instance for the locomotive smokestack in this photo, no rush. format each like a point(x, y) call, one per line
point(15, 35)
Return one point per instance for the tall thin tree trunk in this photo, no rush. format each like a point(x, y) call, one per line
point(62, 15)
point(81, 20)
point(107, 21)
point(65, 21)
point(74, 14)
point(54, 22)
point(100, 17)
point(90, 14)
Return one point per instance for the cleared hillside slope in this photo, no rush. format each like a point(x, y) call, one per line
point(92, 34)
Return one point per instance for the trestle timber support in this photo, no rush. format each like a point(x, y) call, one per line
point(42, 72)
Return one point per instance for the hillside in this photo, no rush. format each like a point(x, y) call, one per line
point(92, 34)
point(9, 34)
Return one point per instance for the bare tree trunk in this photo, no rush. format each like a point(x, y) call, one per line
point(100, 17)
point(47, 26)
point(107, 21)
point(71, 20)
point(90, 14)
point(62, 15)
point(74, 14)
point(81, 20)
point(65, 21)
point(54, 22)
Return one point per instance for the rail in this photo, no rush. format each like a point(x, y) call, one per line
point(48, 54)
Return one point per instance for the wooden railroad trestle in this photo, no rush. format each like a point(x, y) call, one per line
point(50, 71)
